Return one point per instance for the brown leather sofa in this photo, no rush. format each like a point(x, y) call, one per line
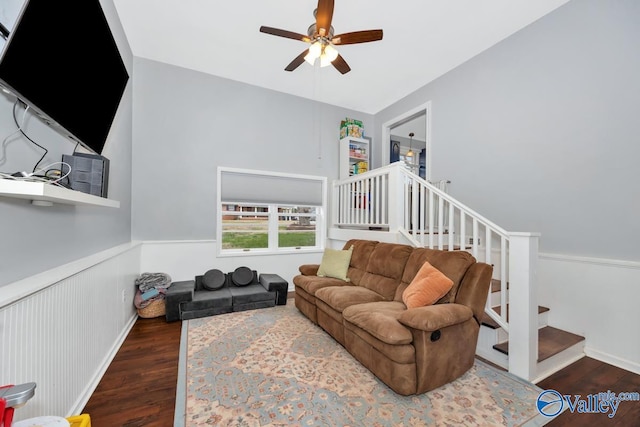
point(411, 350)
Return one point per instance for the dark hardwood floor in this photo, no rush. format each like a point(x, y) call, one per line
point(139, 387)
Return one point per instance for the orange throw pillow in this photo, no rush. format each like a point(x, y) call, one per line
point(427, 287)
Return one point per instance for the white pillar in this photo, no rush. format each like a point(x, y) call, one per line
point(335, 204)
point(523, 304)
point(396, 197)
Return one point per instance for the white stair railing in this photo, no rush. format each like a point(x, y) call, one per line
point(393, 198)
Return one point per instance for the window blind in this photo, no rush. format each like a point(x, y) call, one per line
point(265, 187)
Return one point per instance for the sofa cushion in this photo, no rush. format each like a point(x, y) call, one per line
point(311, 284)
point(250, 294)
point(341, 297)
point(427, 287)
point(380, 319)
point(335, 263)
point(213, 280)
point(204, 299)
point(385, 268)
point(453, 264)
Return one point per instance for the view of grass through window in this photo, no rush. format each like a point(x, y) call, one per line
point(248, 228)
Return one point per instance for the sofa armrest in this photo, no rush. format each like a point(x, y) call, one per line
point(434, 317)
point(309, 269)
point(176, 294)
point(444, 338)
point(275, 283)
point(474, 289)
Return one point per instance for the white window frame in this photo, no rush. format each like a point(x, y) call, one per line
point(272, 214)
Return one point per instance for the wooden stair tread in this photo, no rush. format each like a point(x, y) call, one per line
point(496, 285)
point(551, 341)
point(489, 322)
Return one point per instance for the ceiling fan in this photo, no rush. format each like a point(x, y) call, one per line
point(322, 40)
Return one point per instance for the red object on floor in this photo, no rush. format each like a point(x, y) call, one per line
point(6, 414)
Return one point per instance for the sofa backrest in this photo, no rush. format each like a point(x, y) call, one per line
point(385, 268)
point(453, 264)
point(362, 250)
point(388, 268)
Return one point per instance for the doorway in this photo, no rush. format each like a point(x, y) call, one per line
point(396, 140)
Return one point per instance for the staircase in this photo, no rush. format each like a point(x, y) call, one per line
point(393, 204)
point(556, 348)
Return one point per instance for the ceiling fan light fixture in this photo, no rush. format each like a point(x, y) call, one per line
point(329, 54)
point(315, 50)
point(322, 39)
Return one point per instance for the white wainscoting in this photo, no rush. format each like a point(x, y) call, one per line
point(598, 299)
point(184, 259)
point(61, 328)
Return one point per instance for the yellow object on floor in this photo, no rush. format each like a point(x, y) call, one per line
point(83, 420)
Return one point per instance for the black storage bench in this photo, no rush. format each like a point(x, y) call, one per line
point(215, 293)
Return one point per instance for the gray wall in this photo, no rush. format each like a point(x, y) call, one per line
point(189, 123)
point(34, 239)
point(542, 132)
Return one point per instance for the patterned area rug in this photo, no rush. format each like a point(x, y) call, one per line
point(273, 367)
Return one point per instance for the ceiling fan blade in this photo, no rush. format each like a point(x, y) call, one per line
point(324, 15)
point(357, 37)
point(284, 33)
point(297, 61)
point(341, 65)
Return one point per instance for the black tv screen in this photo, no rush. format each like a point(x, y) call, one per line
point(61, 60)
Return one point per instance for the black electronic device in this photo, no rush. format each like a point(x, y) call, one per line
point(89, 173)
point(61, 59)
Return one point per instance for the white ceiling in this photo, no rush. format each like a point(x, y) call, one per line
point(423, 39)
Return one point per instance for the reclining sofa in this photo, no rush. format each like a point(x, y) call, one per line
point(216, 293)
point(412, 350)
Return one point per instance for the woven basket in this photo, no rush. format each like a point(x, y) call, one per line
point(155, 309)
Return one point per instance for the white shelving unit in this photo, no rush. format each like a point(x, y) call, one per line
point(43, 194)
point(355, 156)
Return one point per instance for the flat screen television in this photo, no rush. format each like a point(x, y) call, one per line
point(62, 61)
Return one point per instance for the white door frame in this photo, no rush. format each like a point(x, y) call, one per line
point(403, 118)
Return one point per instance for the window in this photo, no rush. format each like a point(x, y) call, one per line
point(267, 212)
point(297, 227)
point(245, 227)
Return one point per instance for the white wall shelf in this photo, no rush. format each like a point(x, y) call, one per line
point(44, 194)
point(354, 151)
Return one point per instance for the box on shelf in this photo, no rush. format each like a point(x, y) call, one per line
point(357, 151)
point(358, 168)
point(351, 127)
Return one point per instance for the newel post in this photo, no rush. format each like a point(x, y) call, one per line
point(396, 200)
point(523, 304)
point(335, 203)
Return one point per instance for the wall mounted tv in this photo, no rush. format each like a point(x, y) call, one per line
point(62, 61)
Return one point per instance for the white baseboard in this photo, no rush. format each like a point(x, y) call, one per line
point(84, 397)
point(613, 360)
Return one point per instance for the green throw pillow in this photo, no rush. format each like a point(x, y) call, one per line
point(335, 263)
